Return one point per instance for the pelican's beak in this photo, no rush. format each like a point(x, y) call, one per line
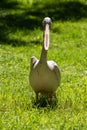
point(46, 37)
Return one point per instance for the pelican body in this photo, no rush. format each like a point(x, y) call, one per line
point(44, 75)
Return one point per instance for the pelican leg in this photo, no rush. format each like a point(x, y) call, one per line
point(51, 99)
point(36, 97)
point(52, 96)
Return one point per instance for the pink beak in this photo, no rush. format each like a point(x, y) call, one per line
point(46, 37)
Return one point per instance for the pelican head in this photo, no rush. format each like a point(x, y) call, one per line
point(46, 23)
point(47, 20)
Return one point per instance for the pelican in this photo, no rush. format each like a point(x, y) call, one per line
point(44, 75)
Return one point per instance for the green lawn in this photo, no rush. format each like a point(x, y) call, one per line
point(20, 38)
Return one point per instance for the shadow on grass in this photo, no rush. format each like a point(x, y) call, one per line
point(45, 102)
point(14, 16)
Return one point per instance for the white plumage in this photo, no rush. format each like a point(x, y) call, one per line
point(44, 75)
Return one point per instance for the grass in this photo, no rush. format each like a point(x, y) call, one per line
point(20, 38)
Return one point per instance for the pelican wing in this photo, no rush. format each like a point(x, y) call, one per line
point(54, 67)
point(33, 61)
